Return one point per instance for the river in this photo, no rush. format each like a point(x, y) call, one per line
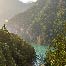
point(40, 53)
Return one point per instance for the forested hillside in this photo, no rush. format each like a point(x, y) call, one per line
point(41, 22)
point(14, 51)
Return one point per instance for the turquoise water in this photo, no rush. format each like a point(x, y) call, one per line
point(40, 53)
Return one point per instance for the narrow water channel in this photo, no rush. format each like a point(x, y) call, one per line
point(40, 53)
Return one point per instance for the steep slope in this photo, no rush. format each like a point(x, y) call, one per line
point(36, 24)
point(30, 14)
point(23, 21)
point(14, 51)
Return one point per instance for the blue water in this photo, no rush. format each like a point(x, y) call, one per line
point(40, 54)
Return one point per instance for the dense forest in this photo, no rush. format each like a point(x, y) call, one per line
point(14, 51)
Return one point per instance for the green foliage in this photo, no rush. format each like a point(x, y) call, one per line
point(14, 51)
point(57, 57)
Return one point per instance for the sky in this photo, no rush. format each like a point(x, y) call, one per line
point(9, 8)
point(28, 1)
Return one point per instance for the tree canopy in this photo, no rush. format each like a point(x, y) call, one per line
point(14, 51)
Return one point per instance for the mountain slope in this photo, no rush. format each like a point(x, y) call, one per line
point(36, 24)
point(24, 21)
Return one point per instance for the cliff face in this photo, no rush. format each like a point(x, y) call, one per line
point(37, 20)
